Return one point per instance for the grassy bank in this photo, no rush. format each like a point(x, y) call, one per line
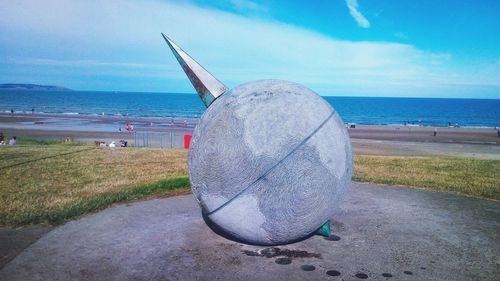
point(51, 183)
point(476, 177)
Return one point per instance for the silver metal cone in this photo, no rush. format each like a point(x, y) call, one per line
point(207, 86)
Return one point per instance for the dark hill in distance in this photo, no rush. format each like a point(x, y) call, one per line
point(12, 86)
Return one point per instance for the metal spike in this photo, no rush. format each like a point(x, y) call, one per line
point(207, 86)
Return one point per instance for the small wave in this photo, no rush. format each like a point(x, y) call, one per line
point(478, 127)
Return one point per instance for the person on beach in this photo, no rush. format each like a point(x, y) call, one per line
point(498, 133)
point(12, 112)
point(13, 141)
point(435, 131)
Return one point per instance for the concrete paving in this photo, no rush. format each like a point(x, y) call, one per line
point(384, 231)
point(14, 240)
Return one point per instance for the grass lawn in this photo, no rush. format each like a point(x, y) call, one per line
point(51, 183)
point(475, 177)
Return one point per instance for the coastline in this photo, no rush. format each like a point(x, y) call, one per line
point(6, 116)
point(366, 139)
point(88, 122)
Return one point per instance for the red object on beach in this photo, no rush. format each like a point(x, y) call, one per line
point(187, 141)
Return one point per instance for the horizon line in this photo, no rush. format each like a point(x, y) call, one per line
point(193, 93)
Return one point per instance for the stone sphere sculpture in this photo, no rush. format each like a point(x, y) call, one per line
point(269, 160)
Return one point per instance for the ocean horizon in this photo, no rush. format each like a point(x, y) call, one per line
point(439, 112)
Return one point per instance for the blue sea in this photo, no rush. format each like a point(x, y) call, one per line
point(360, 110)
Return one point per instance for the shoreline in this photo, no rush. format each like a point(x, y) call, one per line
point(389, 140)
point(194, 120)
point(29, 117)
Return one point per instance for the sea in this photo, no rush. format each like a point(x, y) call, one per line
point(441, 112)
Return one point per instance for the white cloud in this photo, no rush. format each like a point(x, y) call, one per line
point(401, 35)
point(81, 63)
point(247, 5)
point(120, 40)
point(356, 14)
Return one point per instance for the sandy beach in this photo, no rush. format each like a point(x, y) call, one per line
point(169, 132)
point(482, 143)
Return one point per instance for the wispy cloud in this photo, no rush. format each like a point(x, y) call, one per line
point(401, 35)
point(116, 45)
point(247, 5)
point(81, 63)
point(356, 14)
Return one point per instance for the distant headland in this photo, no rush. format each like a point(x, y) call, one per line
point(33, 87)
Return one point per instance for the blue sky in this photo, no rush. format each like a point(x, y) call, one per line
point(337, 47)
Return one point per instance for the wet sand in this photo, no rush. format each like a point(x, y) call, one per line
point(91, 123)
point(409, 148)
point(367, 139)
point(482, 143)
point(426, 134)
point(88, 129)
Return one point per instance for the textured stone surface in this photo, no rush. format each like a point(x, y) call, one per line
point(269, 162)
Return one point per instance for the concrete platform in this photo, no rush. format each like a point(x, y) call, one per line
point(405, 233)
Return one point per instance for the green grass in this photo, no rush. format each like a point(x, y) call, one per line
point(51, 183)
point(80, 207)
point(28, 141)
point(475, 177)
